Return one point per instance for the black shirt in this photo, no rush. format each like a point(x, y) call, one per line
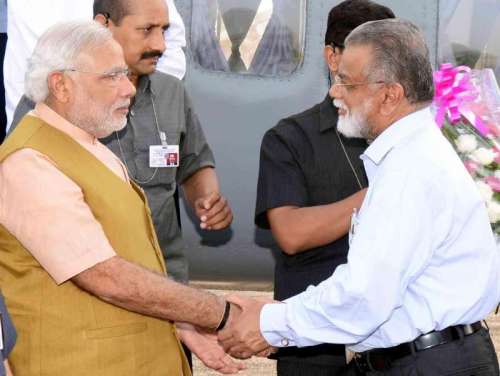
point(302, 163)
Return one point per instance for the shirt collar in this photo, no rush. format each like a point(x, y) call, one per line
point(48, 115)
point(393, 134)
point(145, 84)
point(327, 115)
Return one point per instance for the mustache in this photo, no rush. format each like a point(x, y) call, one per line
point(125, 103)
point(339, 103)
point(149, 54)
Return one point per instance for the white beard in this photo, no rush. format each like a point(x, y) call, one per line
point(95, 119)
point(353, 124)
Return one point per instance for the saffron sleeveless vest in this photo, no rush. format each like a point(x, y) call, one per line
point(63, 330)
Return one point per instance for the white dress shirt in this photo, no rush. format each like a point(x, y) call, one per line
point(422, 257)
point(28, 19)
point(173, 61)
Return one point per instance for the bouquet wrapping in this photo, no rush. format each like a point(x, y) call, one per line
point(467, 108)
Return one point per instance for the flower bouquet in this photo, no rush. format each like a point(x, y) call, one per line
point(467, 107)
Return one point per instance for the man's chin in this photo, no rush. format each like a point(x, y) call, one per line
point(106, 131)
point(347, 129)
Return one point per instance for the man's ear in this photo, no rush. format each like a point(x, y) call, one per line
point(102, 19)
point(59, 86)
point(332, 58)
point(393, 96)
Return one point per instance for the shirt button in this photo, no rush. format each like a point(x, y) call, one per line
point(285, 342)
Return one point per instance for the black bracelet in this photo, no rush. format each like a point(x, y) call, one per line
point(225, 316)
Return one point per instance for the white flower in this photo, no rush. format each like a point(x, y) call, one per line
point(483, 156)
point(497, 174)
point(466, 143)
point(493, 211)
point(485, 190)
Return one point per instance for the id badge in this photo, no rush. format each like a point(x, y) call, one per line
point(161, 156)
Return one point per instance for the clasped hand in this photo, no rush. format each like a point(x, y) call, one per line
point(241, 337)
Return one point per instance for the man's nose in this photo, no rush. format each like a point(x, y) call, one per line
point(157, 42)
point(335, 91)
point(127, 88)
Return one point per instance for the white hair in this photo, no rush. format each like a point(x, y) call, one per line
point(59, 48)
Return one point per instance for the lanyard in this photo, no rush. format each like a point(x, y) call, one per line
point(163, 139)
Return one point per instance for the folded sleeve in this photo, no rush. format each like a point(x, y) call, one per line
point(281, 179)
point(195, 152)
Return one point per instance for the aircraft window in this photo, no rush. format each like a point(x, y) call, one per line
point(261, 37)
point(470, 33)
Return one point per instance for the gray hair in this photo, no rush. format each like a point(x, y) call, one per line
point(399, 55)
point(60, 48)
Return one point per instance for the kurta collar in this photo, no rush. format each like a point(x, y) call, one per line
point(48, 115)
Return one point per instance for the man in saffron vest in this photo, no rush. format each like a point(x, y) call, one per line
point(80, 265)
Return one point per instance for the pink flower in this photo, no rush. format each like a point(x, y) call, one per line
point(471, 167)
point(493, 182)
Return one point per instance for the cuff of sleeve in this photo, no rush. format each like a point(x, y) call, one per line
point(273, 325)
point(87, 261)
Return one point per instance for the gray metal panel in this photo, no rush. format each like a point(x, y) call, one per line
point(424, 13)
point(235, 111)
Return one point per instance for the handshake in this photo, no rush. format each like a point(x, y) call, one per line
point(239, 337)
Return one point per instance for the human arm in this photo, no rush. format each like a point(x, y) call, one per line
point(284, 201)
point(196, 174)
point(205, 346)
point(137, 289)
point(392, 244)
point(74, 245)
point(202, 193)
point(297, 229)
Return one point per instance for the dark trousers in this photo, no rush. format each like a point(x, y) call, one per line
point(321, 360)
point(473, 355)
point(297, 368)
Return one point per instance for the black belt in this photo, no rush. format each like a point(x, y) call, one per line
point(381, 359)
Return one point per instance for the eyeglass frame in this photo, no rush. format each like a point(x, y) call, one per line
point(336, 82)
point(115, 76)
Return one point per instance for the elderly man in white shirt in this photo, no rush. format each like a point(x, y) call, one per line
point(28, 19)
point(423, 269)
